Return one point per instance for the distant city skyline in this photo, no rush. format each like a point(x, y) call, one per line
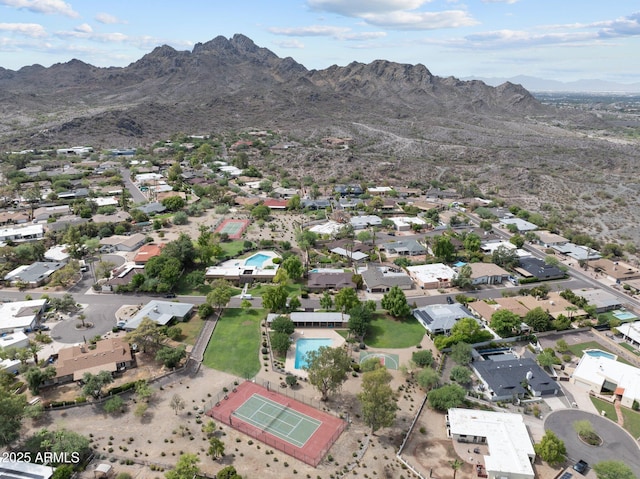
point(564, 41)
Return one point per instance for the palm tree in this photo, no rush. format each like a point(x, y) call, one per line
point(35, 348)
point(455, 465)
point(216, 448)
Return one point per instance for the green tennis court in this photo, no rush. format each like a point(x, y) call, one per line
point(277, 419)
point(389, 361)
point(232, 227)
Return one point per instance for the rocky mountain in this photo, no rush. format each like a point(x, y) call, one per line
point(230, 83)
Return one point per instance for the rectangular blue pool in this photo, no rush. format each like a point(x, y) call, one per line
point(256, 260)
point(303, 346)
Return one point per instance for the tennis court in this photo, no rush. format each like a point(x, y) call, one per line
point(284, 423)
point(277, 419)
point(234, 228)
point(389, 361)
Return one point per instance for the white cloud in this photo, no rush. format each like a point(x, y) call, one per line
point(357, 8)
point(421, 20)
point(107, 18)
point(292, 43)
point(339, 33)
point(84, 28)
point(32, 30)
point(113, 37)
point(500, 1)
point(48, 7)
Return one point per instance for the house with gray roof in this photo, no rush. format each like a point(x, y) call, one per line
point(161, 313)
point(408, 247)
point(322, 280)
point(153, 208)
point(505, 380)
point(440, 318)
point(35, 274)
point(364, 221)
point(536, 268)
point(519, 223)
point(380, 279)
point(318, 319)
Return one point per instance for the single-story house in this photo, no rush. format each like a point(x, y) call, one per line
point(536, 268)
point(630, 332)
point(548, 239)
point(330, 279)
point(153, 208)
point(506, 379)
point(510, 449)
point(146, 252)
point(602, 374)
point(20, 315)
point(124, 243)
point(258, 267)
point(160, 312)
point(380, 279)
point(577, 252)
point(364, 221)
point(122, 276)
point(432, 276)
point(521, 224)
point(485, 310)
point(405, 223)
point(13, 217)
point(348, 190)
point(11, 366)
point(17, 339)
point(615, 270)
point(319, 204)
point(408, 247)
point(58, 254)
point(34, 274)
point(487, 273)
point(353, 255)
point(349, 203)
point(286, 193)
point(22, 233)
point(601, 299)
point(275, 204)
point(554, 304)
point(303, 319)
point(440, 318)
point(112, 354)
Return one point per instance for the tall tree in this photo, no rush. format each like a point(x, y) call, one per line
point(148, 336)
point(327, 369)
point(12, 407)
point(446, 397)
point(359, 320)
point(275, 298)
point(506, 323)
point(293, 266)
point(220, 294)
point(283, 324)
point(93, 383)
point(377, 399)
point(462, 353)
point(36, 376)
point(216, 448)
point(326, 301)
point(395, 302)
point(551, 449)
point(538, 319)
point(346, 299)
point(177, 403)
point(443, 248)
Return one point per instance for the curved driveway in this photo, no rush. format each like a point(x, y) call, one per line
point(618, 444)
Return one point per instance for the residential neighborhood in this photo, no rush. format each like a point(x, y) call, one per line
point(134, 282)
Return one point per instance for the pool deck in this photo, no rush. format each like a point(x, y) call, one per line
point(309, 333)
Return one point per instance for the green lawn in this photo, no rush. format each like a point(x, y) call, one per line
point(235, 343)
point(386, 332)
point(292, 289)
point(191, 329)
point(631, 418)
point(232, 248)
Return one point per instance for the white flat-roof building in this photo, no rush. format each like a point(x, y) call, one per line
point(403, 223)
point(257, 267)
point(511, 452)
point(432, 276)
point(601, 373)
point(519, 223)
point(328, 228)
point(22, 233)
point(19, 315)
point(25, 470)
point(57, 254)
point(17, 339)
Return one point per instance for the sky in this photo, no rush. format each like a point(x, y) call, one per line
point(564, 40)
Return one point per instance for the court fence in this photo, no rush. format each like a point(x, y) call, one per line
point(279, 444)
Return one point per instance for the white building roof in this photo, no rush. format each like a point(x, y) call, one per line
point(597, 370)
point(105, 201)
point(143, 177)
point(630, 330)
point(17, 339)
point(19, 232)
point(312, 316)
point(19, 314)
point(403, 221)
point(24, 470)
point(510, 447)
point(430, 273)
point(328, 228)
point(354, 255)
point(521, 224)
point(57, 253)
point(161, 312)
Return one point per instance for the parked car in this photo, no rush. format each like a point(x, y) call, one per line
point(170, 295)
point(449, 300)
point(581, 467)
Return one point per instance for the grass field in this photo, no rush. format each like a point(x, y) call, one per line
point(232, 248)
point(386, 332)
point(235, 342)
point(631, 418)
point(292, 289)
point(578, 349)
point(628, 347)
point(191, 329)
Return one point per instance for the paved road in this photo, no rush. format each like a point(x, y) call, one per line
point(136, 194)
point(618, 444)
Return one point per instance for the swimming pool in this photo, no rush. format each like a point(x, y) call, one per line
point(597, 353)
point(256, 260)
point(623, 315)
point(303, 346)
